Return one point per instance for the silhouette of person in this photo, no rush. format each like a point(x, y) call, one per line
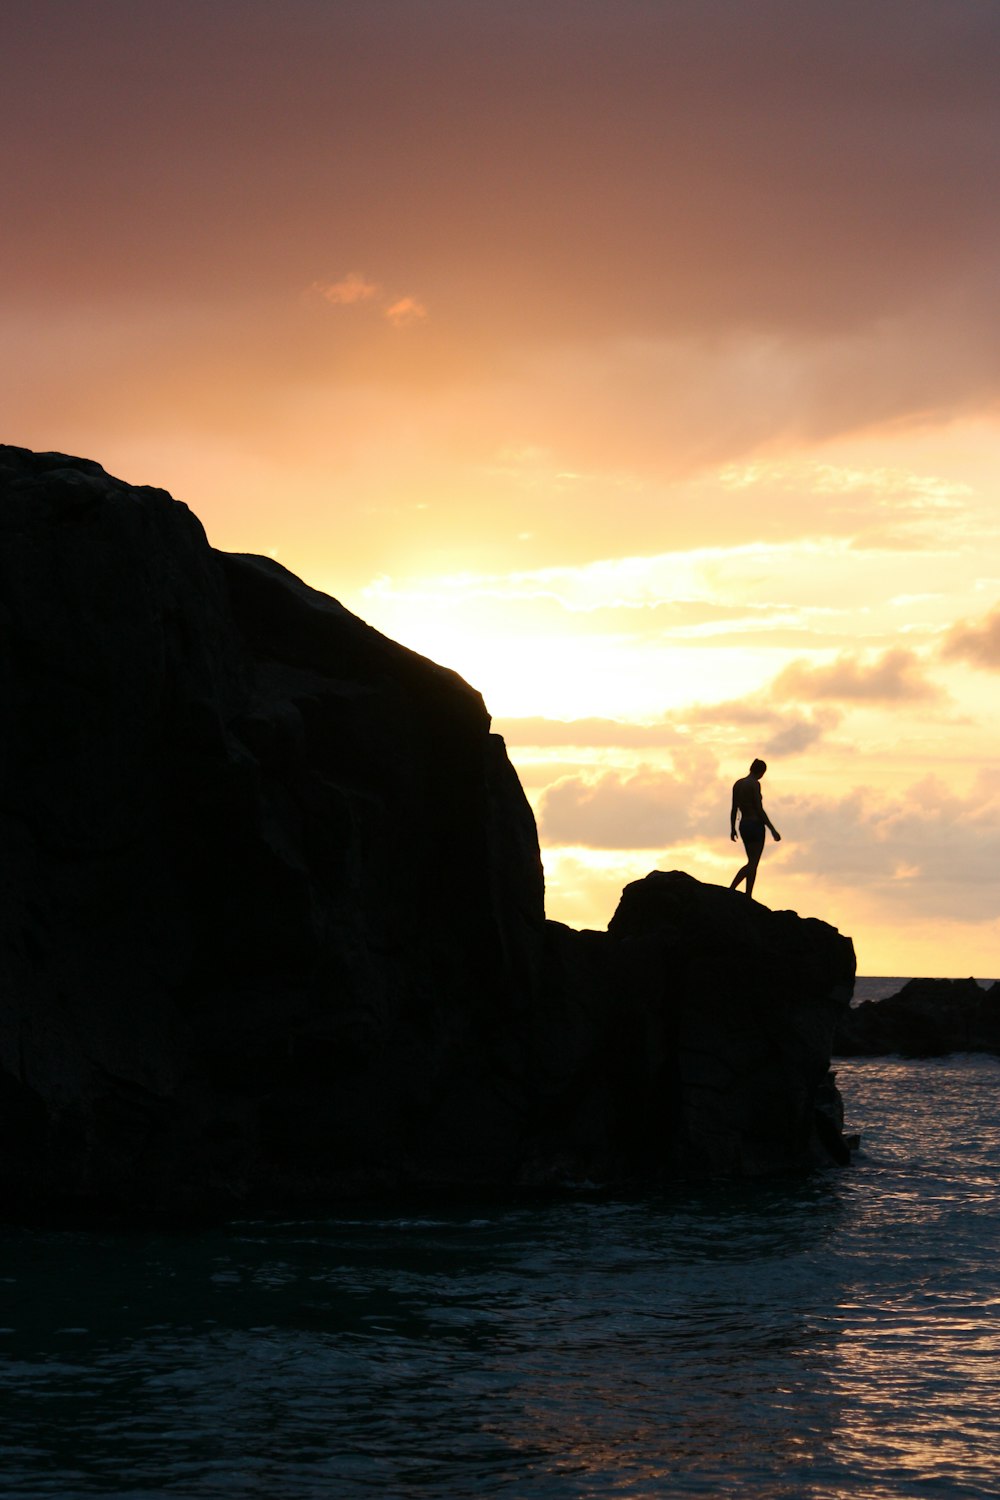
point(754, 820)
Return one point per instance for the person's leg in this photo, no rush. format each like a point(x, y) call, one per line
point(754, 847)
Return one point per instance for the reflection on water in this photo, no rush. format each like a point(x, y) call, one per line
point(838, 1337)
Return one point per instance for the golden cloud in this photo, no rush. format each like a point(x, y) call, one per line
point(405, 311)
point(896, 676)
point(351, 289)
point(355, 288)
point(977, 643)
point(646, 810)
point(776, 732)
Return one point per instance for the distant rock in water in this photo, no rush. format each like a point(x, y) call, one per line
point(272, 917)
point(926, 1018)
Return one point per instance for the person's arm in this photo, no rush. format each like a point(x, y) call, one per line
point(768, 824)
point(732, 818)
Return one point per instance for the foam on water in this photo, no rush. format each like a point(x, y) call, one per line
point(838, 1337)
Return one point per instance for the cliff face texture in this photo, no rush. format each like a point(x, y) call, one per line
point(271, 911)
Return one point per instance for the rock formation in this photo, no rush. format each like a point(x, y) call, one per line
point(926, 1018)
point(271, 911)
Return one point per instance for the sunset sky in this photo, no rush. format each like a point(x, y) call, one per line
point(640, 359)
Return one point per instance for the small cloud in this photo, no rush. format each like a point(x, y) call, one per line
point(977, 643)
point(746, 476)
point(353, 288)
point(646, 810)
point(651, 807)
point(895, 677)
point(795, 737)
point(356, 288)
point(586, 733)
point(776, 732)
point(406, 311)
point(896, 489)
point(905, 537)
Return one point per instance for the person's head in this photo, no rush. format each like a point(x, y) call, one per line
point(758, 768)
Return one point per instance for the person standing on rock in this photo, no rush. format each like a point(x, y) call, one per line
point(748, 803)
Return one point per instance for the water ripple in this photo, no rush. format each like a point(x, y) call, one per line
point(839, 1337)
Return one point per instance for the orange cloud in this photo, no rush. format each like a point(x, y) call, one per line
point(897, 676)
point(407, 310)
point(952, 840)
point(978, 644)
point(776, 733)
point(647, 810)
point(353, 288)
point(537, 732)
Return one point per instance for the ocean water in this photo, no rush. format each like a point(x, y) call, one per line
point(833, 1337)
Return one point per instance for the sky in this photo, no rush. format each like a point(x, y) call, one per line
point(639, 359)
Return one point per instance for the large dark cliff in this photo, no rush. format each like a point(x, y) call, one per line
point(271, 910)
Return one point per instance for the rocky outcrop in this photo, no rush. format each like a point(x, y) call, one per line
point(710, 1054)
point(271, 910)
point(926, 1018)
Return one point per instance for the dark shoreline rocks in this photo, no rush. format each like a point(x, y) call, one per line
point(690, 1040)
point(926, 1018)
point(272, 923)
